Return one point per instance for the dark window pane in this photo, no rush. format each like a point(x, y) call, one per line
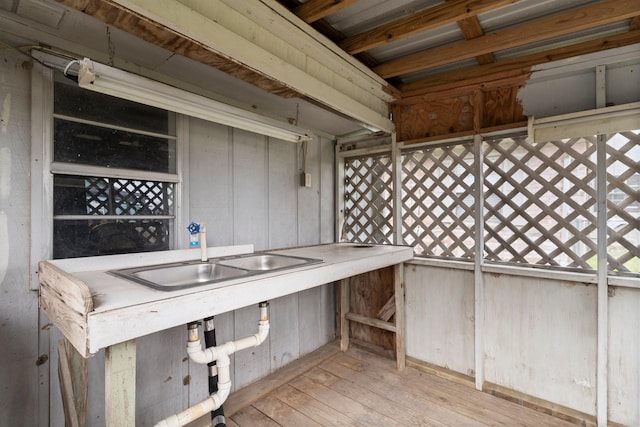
point(95, 236)
point(85, 195)
point(71, 100)
point(97, 146)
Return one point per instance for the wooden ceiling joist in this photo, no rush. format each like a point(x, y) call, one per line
point(542, 29)
point(471, 29)
point(516, 66)
point(313, 10)
point(425, 20)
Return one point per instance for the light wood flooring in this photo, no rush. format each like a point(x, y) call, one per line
point(359, 388)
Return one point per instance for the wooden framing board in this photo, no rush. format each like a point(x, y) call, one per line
point(67, 306)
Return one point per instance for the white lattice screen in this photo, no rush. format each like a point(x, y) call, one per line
point(623, 202)
point(539, 201)
point(438, 200)
point(368, 203)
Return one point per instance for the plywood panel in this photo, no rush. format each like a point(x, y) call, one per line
point(368, 294)
point(441, 116)
point(500, 107)
point(540, 338)
point(440, 317)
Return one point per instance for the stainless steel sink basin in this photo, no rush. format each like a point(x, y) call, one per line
point(264, 262)
point(181, 275)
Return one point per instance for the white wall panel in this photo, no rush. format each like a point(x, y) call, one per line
point(18, 305)
point(283, 201)
point(440, 317)
point(210, 181)
point(250, 189)
point(247, 189)
point(540, 338)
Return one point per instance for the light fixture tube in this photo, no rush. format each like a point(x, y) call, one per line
point(111, 81)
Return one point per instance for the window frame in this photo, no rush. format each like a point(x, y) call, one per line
point(43, 169)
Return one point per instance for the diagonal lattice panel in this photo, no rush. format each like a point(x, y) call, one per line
point(623, 202)
point(540, 202)
point(368, 199)
point(107, 196)
point(438, 201)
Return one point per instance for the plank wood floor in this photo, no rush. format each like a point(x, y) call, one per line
point(358, 388)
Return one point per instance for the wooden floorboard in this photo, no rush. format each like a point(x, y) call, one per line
point(359, 388)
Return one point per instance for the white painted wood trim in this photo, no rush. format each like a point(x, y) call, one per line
point(120, 384)
point(181, 191)
point(74, 169)
point(41, 180)
point(364, 151)
point(624, 282)
point(478, 279)
point(602, 374)
point(442, 263)
point(600, 121)
point(540, 273)
point(400, 321)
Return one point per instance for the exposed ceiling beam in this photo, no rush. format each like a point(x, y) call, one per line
point(139, 26)
point(419, 22)
point(545, 28)
point(516, 66)
point(472, 29)
point(216, 27)
point(314, 10)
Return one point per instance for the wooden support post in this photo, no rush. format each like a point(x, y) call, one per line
point(73, 375)
point(344, 309)
point(120, 385)
point(398, 283)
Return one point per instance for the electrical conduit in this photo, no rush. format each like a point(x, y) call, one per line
point(220, 354)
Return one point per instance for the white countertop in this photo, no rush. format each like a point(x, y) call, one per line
point(123, 310)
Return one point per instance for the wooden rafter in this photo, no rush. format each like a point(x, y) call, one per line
point(314, 10)
point(516, 66)
point(425, 20)
point(472, 29)
point(541, 29)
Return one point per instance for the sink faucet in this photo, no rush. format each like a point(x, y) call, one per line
point(199, 237)
point(203, 243)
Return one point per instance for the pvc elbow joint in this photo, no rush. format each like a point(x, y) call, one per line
point(198, 355)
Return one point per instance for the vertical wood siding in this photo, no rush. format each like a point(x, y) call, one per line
point(244, 186)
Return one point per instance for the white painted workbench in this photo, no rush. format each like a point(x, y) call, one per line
point(96, 310)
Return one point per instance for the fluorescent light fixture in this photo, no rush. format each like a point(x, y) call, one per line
point(111, 81)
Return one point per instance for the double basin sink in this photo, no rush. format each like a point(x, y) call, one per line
point(187, 274)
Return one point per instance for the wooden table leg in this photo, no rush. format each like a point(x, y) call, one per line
point(344, 309)
point(398, 283)
point(120, 384)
